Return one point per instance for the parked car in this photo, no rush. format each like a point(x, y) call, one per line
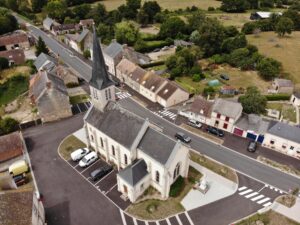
point(100, 172)
point(79, 154)
point(215, 131)
point(183, 137)
point(156, 50)
point(224, 76)
point(252, 146)
point(18, 167)
point(20, 179)
point(88, 159)
point(165, 48)
point(195, 123)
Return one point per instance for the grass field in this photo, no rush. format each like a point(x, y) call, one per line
point(7, 73)
point(168, 4)
point(232, 19)
point(286, 50)
point(68, 145)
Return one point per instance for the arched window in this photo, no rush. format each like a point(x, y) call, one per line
point(157, 177)
point(176, 171)
point(125, 159)
point(113, 150)
point(101, 141)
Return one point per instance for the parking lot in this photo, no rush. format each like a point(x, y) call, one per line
point(106, 186)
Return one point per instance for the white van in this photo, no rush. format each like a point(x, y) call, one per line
point(88, 159)
point(79, 154)
point(194, 123)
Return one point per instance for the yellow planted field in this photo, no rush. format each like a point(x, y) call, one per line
point(286, 50)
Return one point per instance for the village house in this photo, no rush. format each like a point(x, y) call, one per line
point(134, 56)
point(79, 42)
point(16, 40)
point(171, 94)
point(200, 110)
point(66, 74)
point(263, 15)
point(251, 126)
point(14, 56)
point(135, 78)
point(144, 156)
point(225, 113)
point(295, 99)
point(112, 56)
point(45, 62)
point(49, 94)
point(284, 138)
point(123, 69)
point(86, 24)
point(11, 146)
point(21, 207)
point(228, 90)
point(182, 43)
point(48, 23)
point(283, 86)
point(64, 29)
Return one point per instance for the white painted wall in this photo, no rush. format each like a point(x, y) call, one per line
point(295, 101)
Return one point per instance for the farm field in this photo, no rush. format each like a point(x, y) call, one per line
point(286, 50)
point(168, 4)
point(231, 19)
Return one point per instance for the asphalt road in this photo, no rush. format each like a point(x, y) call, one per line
point(231, 158)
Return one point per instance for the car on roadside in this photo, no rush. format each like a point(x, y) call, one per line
point(183, 137)
point(98, 173)
point(79, 154)
point(224, 76)
point(88, 159)
point(215, 131)
point(20, 179)
point(252, 146)
point(165, 48)
point(194, 123)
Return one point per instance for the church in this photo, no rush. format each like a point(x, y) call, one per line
point(143, 155)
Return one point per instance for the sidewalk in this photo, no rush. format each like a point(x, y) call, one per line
point(297, 109)
point(292, 213)
point(219, 187)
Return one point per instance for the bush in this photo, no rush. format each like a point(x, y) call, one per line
point(208, 91)
point(196, 77)
point(210, 8)
point(87, 54)
point(177, 187)
point(148, 46)
point(8, 125)
point(278, 97)
point(156, 63)
point(4, 64)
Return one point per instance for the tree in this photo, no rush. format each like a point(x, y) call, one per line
point(142, 18)
point(233, 43)
point(8, 125)
point(172, 27)
point(12, 4)
point(4, 64)
point(37, 5)
point(195, 20)
point(41, 47)
point(284, 25)
point(235, 5)
point(253, 101)
point(98, 13)
point(151, 8)
point(87, 54)
point(105, 32)
point(268, 68)
point(56, 9)
point(8, 22)
point(126, 32)
point(81, 11)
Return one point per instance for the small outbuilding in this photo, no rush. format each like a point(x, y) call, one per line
point(295, 99)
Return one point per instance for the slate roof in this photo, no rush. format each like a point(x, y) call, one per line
point(297, 94)
point(12, 39)
point(100, 78)
point(135, 57)
point(152, 82)
point(285, 131)
point(167, 90)
point(133, 173)
point(42, 58)
point(16, 55)
point(115, 122)
point(156, 145)
point(16, 207)
point(138, 74)
point(48, 22)
point(253, 122)
point(82, 35)
point(201, 105)
point(11, 146)
point(62, 27)
point(113, 49)
point(284, 82)
point(126, 66)
point(227, 108)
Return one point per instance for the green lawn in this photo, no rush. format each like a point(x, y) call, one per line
point(78, 99)
point(68, 145)
point(287, 111)
point(188, 84)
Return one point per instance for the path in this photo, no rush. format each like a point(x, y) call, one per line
point(292, 213)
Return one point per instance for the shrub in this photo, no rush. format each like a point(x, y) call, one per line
point(87, 54)
point(208, 91)
point(278, 97)
point(210, 8)
point(177, 187)
point(4, 64)
point(156, 63)
point(196, 77)
point(8, 125)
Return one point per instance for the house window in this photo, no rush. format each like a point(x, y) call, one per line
point(125, 159)
point(113, 150)
point(109, 94)
point(292, 147)
point(176, 171)
point(92, 138)
point(142, 186)
point(218, 115)
point(157, 177)
point(227, 118)
point(101, 141)
point(225, 125)
point(284, 146)
point(95, 93)
point(272, 142)
point(106, 95)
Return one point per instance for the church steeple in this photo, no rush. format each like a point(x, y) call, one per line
point(100, 78)
point(101, 86)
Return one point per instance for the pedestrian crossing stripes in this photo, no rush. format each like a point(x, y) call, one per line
point(254, 196)
point(166, 113)
point(122, 95)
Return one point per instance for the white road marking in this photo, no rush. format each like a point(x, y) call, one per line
point(88, 167)
point(245, 192)
point(242, 188)
point(267, 204)
point(251, 195)
point(257, 197)
point(271, 188)
point(189, 218)
point(168, 221)
point(276, 189)
point(261, 189)
point(262, 201)
point(178, 219)
point(123, 217)
point(110, 189)
point(76, 165)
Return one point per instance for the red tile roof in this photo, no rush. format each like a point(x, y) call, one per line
point(11, 146)
point(13, 39)
point(16, 55)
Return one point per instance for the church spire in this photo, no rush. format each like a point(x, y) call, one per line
point(100, 78)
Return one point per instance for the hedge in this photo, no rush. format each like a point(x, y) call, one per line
point(151, 45)
point(278, 97)
point(157, 63)
point(177, 187)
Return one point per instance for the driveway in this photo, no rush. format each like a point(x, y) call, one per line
point(68, 199)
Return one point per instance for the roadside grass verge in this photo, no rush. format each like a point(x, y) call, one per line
point(78, 99)
point(270, 218)
point(214, 166)
point(287, 200)
point(68, 145)
point(154, 209)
